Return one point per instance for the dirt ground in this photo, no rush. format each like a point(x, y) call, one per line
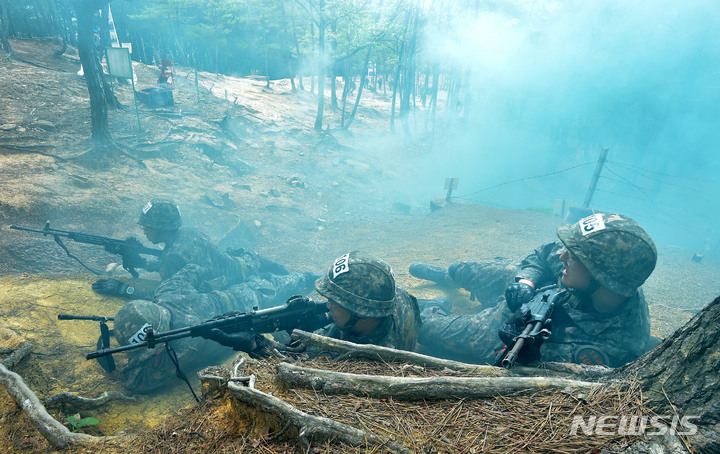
point(246, 167)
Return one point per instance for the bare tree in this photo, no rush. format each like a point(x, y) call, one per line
point(4, 29)
point(85, 11)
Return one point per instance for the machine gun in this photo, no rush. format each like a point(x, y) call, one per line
point(129, 248)
point(295, 313)
point(536, 317)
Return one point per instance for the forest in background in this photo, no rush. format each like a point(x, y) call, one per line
point(376, 45)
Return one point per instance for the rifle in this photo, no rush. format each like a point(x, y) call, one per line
point(536, 316)
point(296, 312)
point(128, 248)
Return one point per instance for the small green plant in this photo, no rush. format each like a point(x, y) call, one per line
point(73, 421)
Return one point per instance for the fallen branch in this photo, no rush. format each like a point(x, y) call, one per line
point(306, 428)
point(377, 353)
point(57, 434)
point(17, 355)
point(414, 388)
point(84, 402)
point(350, 350)
point(310, 429)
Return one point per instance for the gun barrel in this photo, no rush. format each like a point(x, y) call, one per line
point(95, 318)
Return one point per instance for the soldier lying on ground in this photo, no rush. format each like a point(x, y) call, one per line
point(603, 317)
point(161, 221)
point(366, 305)
point(189, 297)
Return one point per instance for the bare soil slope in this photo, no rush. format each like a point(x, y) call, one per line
point(246, 167)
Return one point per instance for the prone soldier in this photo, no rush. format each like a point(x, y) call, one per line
point(602, 316)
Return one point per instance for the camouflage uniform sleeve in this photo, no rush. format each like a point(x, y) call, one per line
point(542, 267)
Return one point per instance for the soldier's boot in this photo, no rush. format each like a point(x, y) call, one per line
point(431, 273)
point(441, 305)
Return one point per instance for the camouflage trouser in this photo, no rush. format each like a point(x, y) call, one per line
point(485, 280)
point(468, 338)
point(148, 369)
point(471, 338)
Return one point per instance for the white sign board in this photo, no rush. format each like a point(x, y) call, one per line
point(118, 61)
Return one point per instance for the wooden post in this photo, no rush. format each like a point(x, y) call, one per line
point(595, 178)
point(450, 184)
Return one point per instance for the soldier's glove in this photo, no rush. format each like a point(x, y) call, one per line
point(242, 342)
point(254, 344)
point(113, 287)
point(518, 294)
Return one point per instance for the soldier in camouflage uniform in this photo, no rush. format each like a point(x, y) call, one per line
point(161, 221)
point(601, 317)
point(367, 305)
point(187, 298)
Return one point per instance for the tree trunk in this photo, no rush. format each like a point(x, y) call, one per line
point(85, 10)
point(4, 29)
point(321, 69)
point(681, 374)
point(360, 90)
point(333, 72)
point(401, 56)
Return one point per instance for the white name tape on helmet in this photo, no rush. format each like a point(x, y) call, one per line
point(140, 335)
point(147, 207)
point(592, 223)
point(341, 265)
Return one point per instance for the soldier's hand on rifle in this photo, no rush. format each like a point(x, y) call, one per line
point(113, 287)
point(254, 344)
point(518, 294)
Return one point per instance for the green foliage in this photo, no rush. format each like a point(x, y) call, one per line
point(73, 421)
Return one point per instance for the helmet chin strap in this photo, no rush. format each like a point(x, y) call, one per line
point(592, 287)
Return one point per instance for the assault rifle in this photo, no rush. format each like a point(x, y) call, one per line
point(129, 248)
point(297, 312)
point(536, 317)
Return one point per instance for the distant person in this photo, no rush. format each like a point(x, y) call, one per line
point(366, 305)
point(187, 298)
point(601, 318)
point(162, 224)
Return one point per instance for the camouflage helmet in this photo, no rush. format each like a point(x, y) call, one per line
point(160, 215)
point(361, 284)
point(617, 252)
point(132, 318)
